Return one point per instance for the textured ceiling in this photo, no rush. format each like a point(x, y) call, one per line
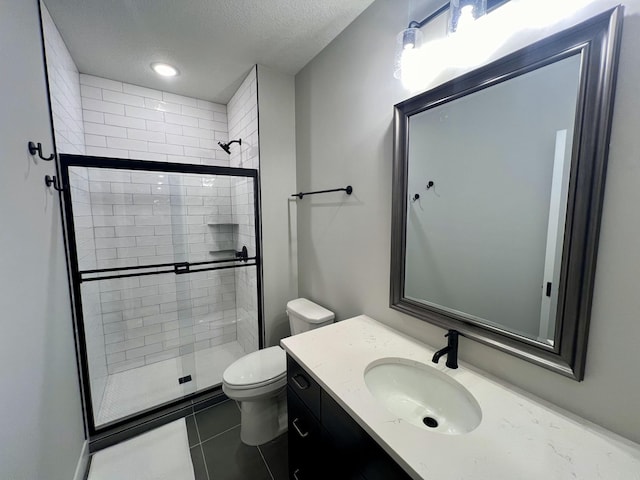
point(213, 43)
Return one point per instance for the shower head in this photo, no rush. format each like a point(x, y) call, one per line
point(226, 146)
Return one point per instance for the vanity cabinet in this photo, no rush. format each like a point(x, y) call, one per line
point(324, 441)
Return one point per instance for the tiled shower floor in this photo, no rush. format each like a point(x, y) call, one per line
point(141, 388)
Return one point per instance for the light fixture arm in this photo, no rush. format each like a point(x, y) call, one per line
point(424, 21)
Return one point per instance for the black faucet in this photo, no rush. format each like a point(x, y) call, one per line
point(451, 350)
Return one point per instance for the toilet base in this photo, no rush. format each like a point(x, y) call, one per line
point(263, 420)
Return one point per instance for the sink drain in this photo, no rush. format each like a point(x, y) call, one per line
point(430, 422)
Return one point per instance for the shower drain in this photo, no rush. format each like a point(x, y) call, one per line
point(430, 422)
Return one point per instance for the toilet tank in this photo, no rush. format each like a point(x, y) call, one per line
point(305, 315)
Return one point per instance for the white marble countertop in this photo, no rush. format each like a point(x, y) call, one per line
point(519, 437)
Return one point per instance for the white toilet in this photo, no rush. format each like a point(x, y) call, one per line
point(258, 380)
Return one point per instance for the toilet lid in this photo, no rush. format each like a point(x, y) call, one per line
point(254, 369)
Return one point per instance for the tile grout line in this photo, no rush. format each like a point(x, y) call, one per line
point(204, 460)
point(265, 461)
point(221, 433)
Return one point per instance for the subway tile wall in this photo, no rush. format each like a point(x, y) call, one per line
point(242, 113)
point(64, 86)
point(145, 218)
point(127, 121)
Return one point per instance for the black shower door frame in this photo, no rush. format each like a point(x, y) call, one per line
point(123, 428)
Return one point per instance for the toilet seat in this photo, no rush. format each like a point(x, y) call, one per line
point(257, 369)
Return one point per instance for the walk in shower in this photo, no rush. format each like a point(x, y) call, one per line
point(165, 265)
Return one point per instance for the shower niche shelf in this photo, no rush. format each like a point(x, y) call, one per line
point(224, 253)
point(217, 224)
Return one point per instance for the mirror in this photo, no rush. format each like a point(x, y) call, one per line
point(498, 189)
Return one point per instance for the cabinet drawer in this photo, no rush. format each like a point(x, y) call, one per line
point(305, 439)
point(304, 386)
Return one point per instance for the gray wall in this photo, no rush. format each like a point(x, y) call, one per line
point(344, 100)
point(41, 430)
point(276, 117)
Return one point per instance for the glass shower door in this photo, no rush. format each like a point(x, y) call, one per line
point(165, 266)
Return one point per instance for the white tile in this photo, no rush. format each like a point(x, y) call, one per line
point(91, 92)
point(198, 152)
point(130, 188)
point(91, 116)
point(104, 130)
point(146, 220)
point(128, 252)
point(122, 121)
point(106, 253)
point(115, 242)
point(123, 98)
point(164, 127)
point(133, 209)
point(182, 100)
point(142, 351)
point(111, 199)
point(197, 132)
point(104, 232)
point(197, 112)
point(151, 199)
point(122, 367)
point(100, 82)
point(180, 119)
point(97, 210)
point(116, 357)
point(145, 135)
point(127, 144)
point(182, 140)
point(141, 91)
point(102, 106)
point(149, 178)
point(212, 125)
point(108, 175)
point(162, 106)
point(206, 105)
point(106, 221)
point(95, 140)
point(125, 345)
point(145, 113)
point(134, 231)
point(168, 149)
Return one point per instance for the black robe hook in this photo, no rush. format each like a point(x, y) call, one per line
point(33, 149)
point(52, 182)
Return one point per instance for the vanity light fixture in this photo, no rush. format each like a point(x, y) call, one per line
point(164, 69)
point(463, 13)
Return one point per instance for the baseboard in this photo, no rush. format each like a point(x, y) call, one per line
point(82, 469)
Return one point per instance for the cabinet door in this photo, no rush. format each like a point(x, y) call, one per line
point(359, 455)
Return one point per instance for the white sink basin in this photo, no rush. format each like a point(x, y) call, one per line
point(423, 396)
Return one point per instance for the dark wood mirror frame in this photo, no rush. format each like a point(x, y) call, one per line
point(598, 41)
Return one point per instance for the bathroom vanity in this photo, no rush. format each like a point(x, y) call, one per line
point(324, 441)
point(336, 418)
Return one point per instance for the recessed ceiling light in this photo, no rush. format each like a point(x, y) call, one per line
point(164, 69)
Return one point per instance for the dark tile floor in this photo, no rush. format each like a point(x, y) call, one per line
point(218, 454)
